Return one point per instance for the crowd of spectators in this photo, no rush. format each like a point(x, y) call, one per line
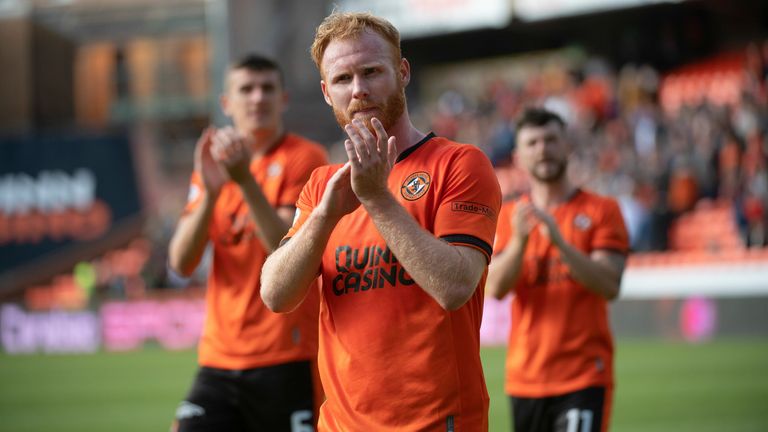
point(659, 159)
point(659, 155)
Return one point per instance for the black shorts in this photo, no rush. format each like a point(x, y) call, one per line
point(273, 398)
point(579, 411)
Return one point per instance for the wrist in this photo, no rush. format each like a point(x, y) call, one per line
point(559, 242)
point(240, 177)
point(556, 238)
point(246, 183)
point(326, 215)
point(378, 201)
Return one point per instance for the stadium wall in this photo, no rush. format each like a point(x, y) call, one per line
point(685, 303)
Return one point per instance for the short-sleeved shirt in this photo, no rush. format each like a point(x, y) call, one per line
point(239, 331)
point(560, 340)
point(391, 358)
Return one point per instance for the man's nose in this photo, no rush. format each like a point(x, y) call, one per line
point(542, 149)
point(257, 95)
point(359, 88)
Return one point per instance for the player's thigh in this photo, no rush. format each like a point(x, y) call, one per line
point(528, 414)
point(210, 405)
point(280, 398)
point(580, 411)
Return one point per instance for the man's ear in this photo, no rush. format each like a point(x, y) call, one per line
point(405, 71)
point(325, 93)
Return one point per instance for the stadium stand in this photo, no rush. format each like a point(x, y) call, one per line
point(718, 80)
point(684, 152)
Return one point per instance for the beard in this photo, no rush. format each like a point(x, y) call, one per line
point(551, 175)
point(391, 111)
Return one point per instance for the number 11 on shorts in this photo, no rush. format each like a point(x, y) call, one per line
point(574, 415)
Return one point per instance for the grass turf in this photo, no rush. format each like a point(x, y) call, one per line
point(661, 386)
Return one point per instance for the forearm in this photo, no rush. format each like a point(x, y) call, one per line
point(505, 269)
point(270, 227)
point(597, 277)
point(446, 272)
point(190, 238)
point(291, 268)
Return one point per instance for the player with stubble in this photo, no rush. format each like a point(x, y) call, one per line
point(256, 367)
point(401, 236)
point(561, 250)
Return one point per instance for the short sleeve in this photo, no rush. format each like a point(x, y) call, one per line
point(504, 228)
point(309, 197)
point(469, 207)
point(611, 233)
point(302, 163)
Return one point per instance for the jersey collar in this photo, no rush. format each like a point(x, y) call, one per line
point(414, 147)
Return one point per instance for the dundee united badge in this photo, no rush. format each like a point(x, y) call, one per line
point(415, 186)
point(582, 222)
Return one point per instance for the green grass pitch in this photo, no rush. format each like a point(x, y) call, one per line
point(717, 386)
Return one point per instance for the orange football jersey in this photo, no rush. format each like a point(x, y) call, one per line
point(390, 357)
point(560, 340)
point(240, 332)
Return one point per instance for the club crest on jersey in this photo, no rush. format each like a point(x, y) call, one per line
point(582, 222)
point(415, 185)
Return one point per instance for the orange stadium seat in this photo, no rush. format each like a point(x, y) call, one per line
point(706, 235)
point(718, 80)
point(709, 226)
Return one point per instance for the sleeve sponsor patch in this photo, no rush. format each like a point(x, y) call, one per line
point(471, 207)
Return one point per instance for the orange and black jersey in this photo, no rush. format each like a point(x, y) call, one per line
point(390, 357)
point(560, 340)
point(239, 331)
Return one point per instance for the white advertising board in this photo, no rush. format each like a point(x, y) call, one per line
point(415, 18)
point(532, 10)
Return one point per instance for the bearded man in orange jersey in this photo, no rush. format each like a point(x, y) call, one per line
point(401, 235)
point(561, 250)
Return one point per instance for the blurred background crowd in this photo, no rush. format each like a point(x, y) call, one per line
point(663, 144)
point(666, 102)
point(102, 102)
